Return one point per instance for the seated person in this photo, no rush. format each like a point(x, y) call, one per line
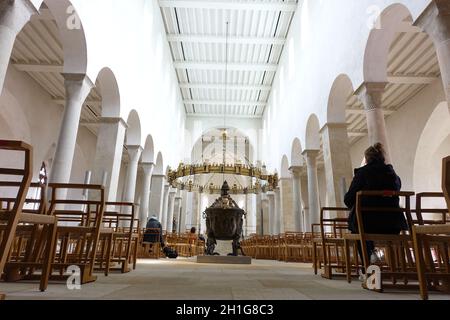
point(153, 223)
point(376, 175)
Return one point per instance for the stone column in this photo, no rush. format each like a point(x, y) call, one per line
point(259, 218)
point(170, 208)
point(306, 218)
point(177, 213)
point(165, 205)
point(338, 163)
point(77, 89)
point(134, 153)
point(371, 95)
point(278, 215)
point(184, 203)
point(297, 198)
point(108, 155)
point(145, 195)
point(313, 187)
point(195, 209)
point(13, 17)
point(271, 222)
point(287, 205)
point(436, 23)
point(265, 206)
point(156, 195)
point(251, 217)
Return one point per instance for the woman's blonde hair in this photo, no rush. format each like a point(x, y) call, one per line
point(375, 153)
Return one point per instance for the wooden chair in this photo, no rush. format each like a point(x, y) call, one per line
point(151, 243)
point(433, 267)
point(332, 242)
point(398, 261)
point(440, 215)
point(34, 242)
point(14, 218)
point(78, 230)
point(119, 238)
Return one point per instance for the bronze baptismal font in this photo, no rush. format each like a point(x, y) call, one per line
point(224, 221)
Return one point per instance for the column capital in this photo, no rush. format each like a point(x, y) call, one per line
point(134, 151)
point(370, 93)
point(178, 198)
point(15, 14)
point(296, 170)
point(166, 188)
point(114, 120)
point(435, 20)
point(333, 125)
point(77, 86)
point(310, 153)
point(158, 176)
point(148, 167)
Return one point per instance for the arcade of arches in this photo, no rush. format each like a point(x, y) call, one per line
point(301, 88)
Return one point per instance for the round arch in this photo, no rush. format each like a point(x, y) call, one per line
point(148, 155)
point(341, 89)
point(159, 167)
point(312, 137)
point(284, 168)
point(72, 34)
point(376, 55)
point(109, 88)
point(434, 144)
point(133, 135)
point(296, 153)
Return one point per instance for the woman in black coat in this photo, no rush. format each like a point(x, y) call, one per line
point(376, 175)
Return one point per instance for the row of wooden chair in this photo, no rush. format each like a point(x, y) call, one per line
point(76, 233)
point(186, 244)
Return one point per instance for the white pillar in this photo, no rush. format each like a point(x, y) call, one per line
point(265, 207)
point(306, 217)
point(145, 195)
point(338, 163)
point(184, 204)
point(170, 209)
point(156, 195)
point(259, 215)
point(177, 213)
point(272, 223)
point(251, 213)
point(436, 22)
point(287, 205)
point(134, 153)
point(164, 211)
point(296, 198)
point(371, 95)
point(13, 17)
point(77, 89)
point(313, 187)
point(108, 155)
point(279, 215)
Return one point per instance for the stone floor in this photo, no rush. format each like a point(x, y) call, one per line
point(184, 279)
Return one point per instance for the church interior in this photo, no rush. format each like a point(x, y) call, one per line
point(209, 149)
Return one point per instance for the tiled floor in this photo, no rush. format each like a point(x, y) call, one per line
point(184, 279)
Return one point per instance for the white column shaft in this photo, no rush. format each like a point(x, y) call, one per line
point(77, 89)
point(313, 188)
point(145, 195)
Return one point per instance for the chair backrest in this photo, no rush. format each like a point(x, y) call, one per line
point(89, 212)
point(337, 224)
point(152, 235)
point(439, 214)
point(446, 180)
point(120, 216)
point(17, 179)
point(361, 211)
